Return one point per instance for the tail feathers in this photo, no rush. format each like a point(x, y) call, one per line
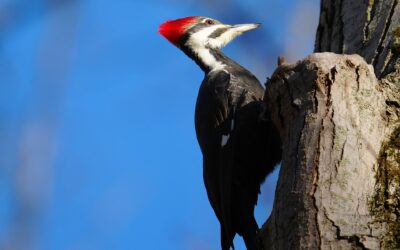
point(226, 240)
point(226, 167)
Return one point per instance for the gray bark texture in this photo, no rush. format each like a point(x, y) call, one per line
point(338, 117)
point(364, 27)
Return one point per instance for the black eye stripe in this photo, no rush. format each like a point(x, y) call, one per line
point(218, 32)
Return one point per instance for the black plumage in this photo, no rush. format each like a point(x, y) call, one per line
point(233, 172)
point(240, 146)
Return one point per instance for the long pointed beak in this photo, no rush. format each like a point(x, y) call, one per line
point(229, 32)
point(241, 28)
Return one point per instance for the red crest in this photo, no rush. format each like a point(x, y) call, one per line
point(173, 30)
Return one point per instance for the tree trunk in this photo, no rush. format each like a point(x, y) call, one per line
point(338, 117)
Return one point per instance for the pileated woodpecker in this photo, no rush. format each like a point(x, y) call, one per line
point(239, 147)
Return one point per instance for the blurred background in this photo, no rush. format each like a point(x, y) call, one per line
point(97, 140)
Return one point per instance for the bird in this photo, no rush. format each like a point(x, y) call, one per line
point(239, 143)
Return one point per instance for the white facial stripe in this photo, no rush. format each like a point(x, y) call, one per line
point(200, 38)
point(223, 39)
point(230, 34)
point(201, 42)
point(197, 43)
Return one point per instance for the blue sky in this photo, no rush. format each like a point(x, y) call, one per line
point(98, 149)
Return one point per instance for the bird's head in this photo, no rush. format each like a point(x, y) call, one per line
point(202, 32)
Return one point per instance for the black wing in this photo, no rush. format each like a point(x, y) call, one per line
point(218, 116)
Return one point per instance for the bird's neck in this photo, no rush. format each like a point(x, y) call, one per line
point(209, 59)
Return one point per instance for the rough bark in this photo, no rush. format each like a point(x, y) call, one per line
point(338, 117)
point(361, 27)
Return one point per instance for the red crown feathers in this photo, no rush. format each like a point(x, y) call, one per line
point(173, 30)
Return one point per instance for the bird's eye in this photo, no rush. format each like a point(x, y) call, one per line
point(209, 21)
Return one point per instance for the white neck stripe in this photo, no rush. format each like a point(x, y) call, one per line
point(197, 42)
point(208, 59)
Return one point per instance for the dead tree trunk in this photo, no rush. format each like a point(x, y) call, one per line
point(338, 117)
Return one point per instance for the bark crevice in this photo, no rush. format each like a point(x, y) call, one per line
point(362, 27)
point(383, 37)
point(338, 117)
point(328, 153)
point(370, 16)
